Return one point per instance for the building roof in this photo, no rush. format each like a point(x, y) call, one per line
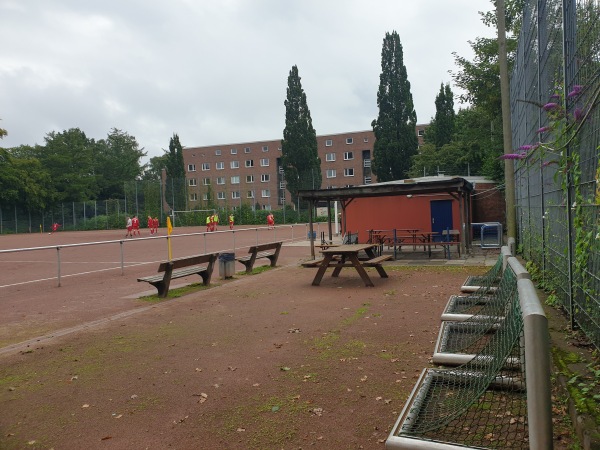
point(410, 186)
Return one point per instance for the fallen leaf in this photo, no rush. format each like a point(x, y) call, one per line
point(86, 406)
point(239, 430)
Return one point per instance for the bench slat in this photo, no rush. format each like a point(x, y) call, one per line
point(270, 250)
point(180, 268)
point(377, 260)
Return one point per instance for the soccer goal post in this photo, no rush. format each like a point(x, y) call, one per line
point(191, 217)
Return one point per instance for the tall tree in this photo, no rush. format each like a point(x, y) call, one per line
point(300, 159)
point(154, 168)
point(394, 128)
point(69, 159)
point(441, 130)
point(117, 162)
point(480, 80)
point(175, 189)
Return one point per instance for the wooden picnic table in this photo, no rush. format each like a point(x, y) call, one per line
point(347, 256)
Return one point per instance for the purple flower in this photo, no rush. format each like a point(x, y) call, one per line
point(543, 129)
point(550, 106)
point(578, 115)
point(575, 92)
point(513, 156)
point(555, 96)
point(526, 147)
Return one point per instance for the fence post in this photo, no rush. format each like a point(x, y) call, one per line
point(58, 264)
point(122, 259)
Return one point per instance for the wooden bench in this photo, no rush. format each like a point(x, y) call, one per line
point(376, 262)
point(270, 250)
point(202, 265)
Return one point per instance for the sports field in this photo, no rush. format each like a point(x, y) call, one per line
point(98, 279)
point(256, 362)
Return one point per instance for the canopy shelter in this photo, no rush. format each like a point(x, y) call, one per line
point(457, 188)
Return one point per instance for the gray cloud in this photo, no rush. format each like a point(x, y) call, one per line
point(215, 72)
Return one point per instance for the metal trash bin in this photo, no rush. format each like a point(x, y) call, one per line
point(226, 265)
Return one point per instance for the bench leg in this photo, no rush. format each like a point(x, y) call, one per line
point(361, 271)
point(162, 287)
point(381, 271)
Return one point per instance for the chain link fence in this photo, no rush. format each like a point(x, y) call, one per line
point(143, 199)
point(555, 89)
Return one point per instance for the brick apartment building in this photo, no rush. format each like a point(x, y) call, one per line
point(251, 172)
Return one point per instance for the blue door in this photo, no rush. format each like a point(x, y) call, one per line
point(441, 217)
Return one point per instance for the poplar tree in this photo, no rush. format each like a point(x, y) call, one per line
point(176, 188)
point(443, 124)
point(394, 128)
point(300, 160)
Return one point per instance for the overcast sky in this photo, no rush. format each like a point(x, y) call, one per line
point(215, 71)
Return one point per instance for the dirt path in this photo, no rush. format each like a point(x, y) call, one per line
point(264, 361)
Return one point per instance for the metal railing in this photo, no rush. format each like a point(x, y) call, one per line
point(285, 233)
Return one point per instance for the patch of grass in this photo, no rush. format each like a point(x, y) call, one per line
point(177, 292)
point(266, 423)
point(360, 312)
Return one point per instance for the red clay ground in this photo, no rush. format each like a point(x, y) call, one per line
point(260, 361)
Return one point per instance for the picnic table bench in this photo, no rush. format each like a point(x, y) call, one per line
point(270, 250)
point(202, 265)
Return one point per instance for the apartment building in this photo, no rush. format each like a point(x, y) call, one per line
point(251, 172)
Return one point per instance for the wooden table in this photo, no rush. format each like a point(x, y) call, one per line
point(347, 256)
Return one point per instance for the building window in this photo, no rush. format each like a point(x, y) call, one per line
point(246, 149)
point(235, 194)
point(235, 179)
point(250, 194)
point(331, 173)
point(349, 141)
point(330, 157)
point(218, 152)
point(264, 162)
point(348, 156)
point(282, 185)
point(205, 196)
point(233, 151)
point(367, 180)
point(220, 165)
point(366, 140)
point(249, 178)
point(206, 181)
point(234, 164)
point(265, 177)
point(421, 133)
point(348, 172)
point(328, 143)
point(193, 197)
point(221, 195)
point(191, 167)
point(249, 163)
point(266, 193)
point(279, 148)
point(265, 148)
point(205, 166)
point(192, 182)
point(220, 180)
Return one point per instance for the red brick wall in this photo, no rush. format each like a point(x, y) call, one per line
point(488, 204)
